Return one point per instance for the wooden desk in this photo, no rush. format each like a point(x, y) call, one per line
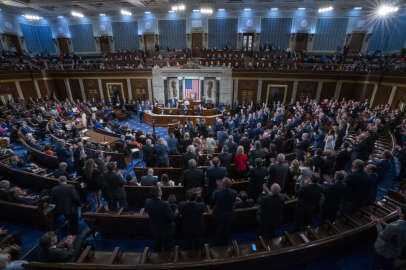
point(98, 138)
point(177, 111)
point(162, 120)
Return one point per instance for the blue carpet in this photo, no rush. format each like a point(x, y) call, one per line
point(136, 124)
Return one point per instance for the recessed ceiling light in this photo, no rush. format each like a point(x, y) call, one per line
point(247, 9)
point(147, 12)
point(275, 8)
point(126, 12)
point(102, 15)
point(60, 17)
point(385, 10)
point(196, 10)
point(221, 9)
point(32, 17)
point(358, 8)
point(171, 11)
point(77, 14)
point(301, 8)
point(325, 9)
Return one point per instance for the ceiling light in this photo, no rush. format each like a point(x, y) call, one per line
point(274, 9)
point(301, 8)
point(32, 17)
point(77, 14)
point(385, 10)
point(247, 9)
point(221, 9)
point(147, 12)
point(60, 17)
point(174, 8)
point(102, 15)
point(357, 8)
point(325, 9)
point(196, 10)
point(206, 10)
point(171, 11)
point(181, 7)
point(126, 12)
point(14, 3)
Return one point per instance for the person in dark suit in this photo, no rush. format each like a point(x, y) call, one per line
point(223, 211)
point(67, 201)
point(64, 154)
point(215, 174)
point(4, 190)
point(258, 152)
point(309, 197)
point(149, 179)
point(271, 210)
point(61, 171)
point(279, 172)
point(75, 131)
point(112, 186)
point(161, 152)
point(333, 196)
point(256, 178)
point(356, 183)
point(221, 137)
point(190, 154)
point(301, 146)
point(173, 146)
point(161, 220)
point(148, 152)
point(225, 157)
point(191, 212)
point(173, 102)
point(193, 177)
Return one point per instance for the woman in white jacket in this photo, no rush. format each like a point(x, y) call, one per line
point(330, 141)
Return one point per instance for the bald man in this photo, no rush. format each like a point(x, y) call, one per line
point(271, 210)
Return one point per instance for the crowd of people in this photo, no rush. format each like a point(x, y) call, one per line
point(318, 152)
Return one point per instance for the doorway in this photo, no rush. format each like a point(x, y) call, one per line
point(247, 41)
point(301, 42)
point(149, 43)
point(276, 93)
point(246, 96)
point(197, 44)
point(63, 44)
point(105, 44)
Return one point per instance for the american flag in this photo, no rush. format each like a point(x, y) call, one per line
point(192, 89)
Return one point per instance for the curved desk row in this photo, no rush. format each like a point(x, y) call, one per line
point(163, 120)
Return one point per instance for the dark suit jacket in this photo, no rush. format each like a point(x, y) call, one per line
point(256, 180)
point(193, 178)
point(148, 152)
point(333, 196)
point(224, 202)
point(187, 156)
point(161, 218)
point(161, 152)
point(59, 173)
point(225, 159)
point(173, 146)
point(112, 186)
point(65, 198)
point(214, 174)
point(356, 192)
point(56, 255)
point(148, 180)
point(192, 217)
point(278, 174)
point(309, 197)
point(271, 210)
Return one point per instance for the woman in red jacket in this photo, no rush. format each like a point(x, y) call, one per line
point(240, 161)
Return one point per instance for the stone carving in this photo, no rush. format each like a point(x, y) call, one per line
point(209, 89)
point(174, 90)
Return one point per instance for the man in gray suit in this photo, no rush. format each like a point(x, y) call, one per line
point(149, 179)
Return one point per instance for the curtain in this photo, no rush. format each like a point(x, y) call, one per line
point(125, 35)
point(172, 34)
point(82, 37)
point(223, 33)
point(330, 34)
point(38, 38)
point(276, 32)
point(388, 35)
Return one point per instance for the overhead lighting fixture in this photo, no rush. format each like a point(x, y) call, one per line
point(301, 8)
point(126, 12)
point(60, 17)
point(221, 9)
point(385, 10)
point(180, 7)
point(196, 10)
point(171, 11)
point(357, 8)
point(102, 15)
point(274, 9)
point(147, 12)
point(325, 9)
point(77, 14)
point(247, 9)
point(32, 17)
point(206, 11)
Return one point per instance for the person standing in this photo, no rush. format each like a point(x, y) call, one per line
point(271, 211)
point(112, 185)
point(161, 152)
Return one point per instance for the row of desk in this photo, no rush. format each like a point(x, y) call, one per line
point(164, 120)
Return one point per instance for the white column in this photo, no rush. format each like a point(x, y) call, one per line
point(99, 82)
point(319, 88)
point(259, 91)
point(338, 89)
point(392, 94)
point(68, 90)
point(150, 89)
point(19, 90)
point(294, 91)
point(373, 95)
point(130, 93)
point(82, 89)
point(235, 90)
point(37, 88)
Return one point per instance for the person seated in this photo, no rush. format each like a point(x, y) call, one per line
point(62, 170)
point(17, 195)
point(149, 179)
point(16, 163)
point(48, 150)
point(65, 251)
point(165, 181)
point(4, 190)
point(243, 201)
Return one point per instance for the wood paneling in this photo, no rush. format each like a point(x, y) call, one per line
point(75, 89)
point(197, 44)
point(400, 97)
point(9, 88)
point(105, 44)
point(328, 90)
point(382, 95)
point(139, 89)
point(28, 89)
point(301, 42)
point(63, 44)
point(91, 89)
point(247, 91)
point(122, 81)
point(60, 89)
point(149, 43)
point(13, 43)
point(351, 91)
point(356, 41)
point(43, 88)
point(265, 89)
point(306, 90)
